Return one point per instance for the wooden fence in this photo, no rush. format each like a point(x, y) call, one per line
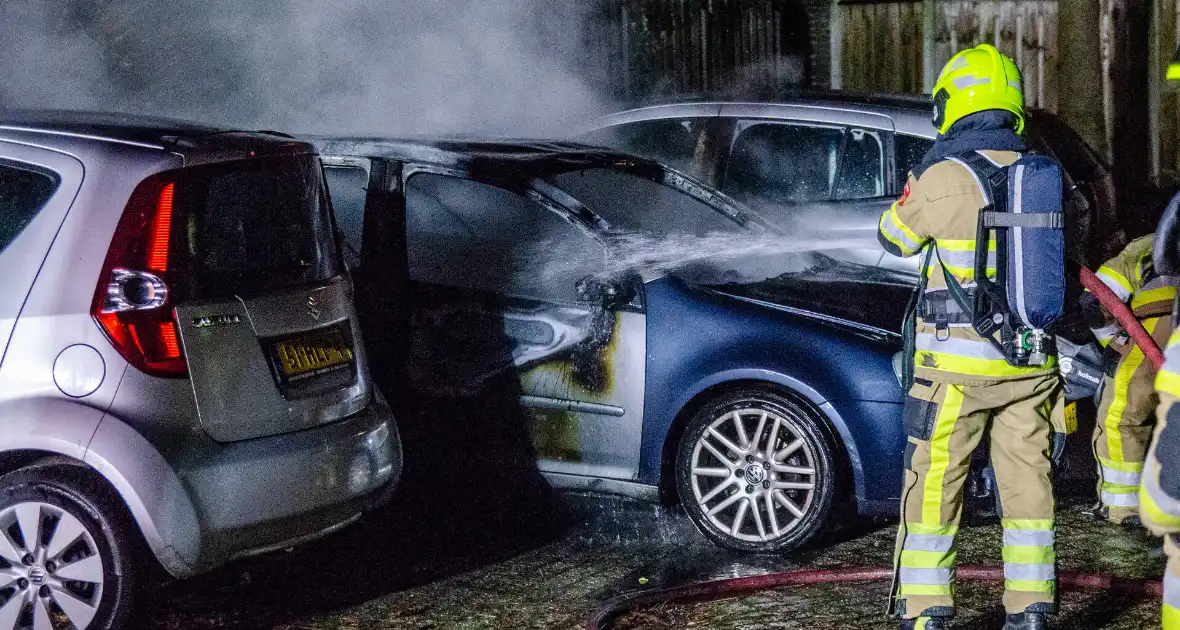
point(669, 48)
point(884, 47)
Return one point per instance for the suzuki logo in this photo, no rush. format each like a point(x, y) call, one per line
point(313, 306)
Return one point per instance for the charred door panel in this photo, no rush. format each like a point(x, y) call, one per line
point(497, 310)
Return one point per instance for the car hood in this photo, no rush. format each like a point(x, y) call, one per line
point(835, 291)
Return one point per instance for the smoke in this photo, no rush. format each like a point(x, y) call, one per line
point(508, 67)
point(716, 258)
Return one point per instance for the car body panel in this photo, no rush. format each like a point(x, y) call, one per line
point(694, 338)
point(21, 261)
point(746, 342)
point(184, 491)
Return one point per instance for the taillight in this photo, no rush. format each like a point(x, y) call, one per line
point(132, 303)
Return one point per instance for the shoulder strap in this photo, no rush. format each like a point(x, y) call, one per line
point(992, 178)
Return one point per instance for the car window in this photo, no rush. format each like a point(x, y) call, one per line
point(910, 151)
point(675, 142)
point(23, 192)
point(348, 186)
point(466, 234)
point(779, 163)
point(631, 203)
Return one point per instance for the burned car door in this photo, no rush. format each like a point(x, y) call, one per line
point(505, 302)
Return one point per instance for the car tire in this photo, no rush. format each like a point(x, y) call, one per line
point(82, 559)
point(719, 470)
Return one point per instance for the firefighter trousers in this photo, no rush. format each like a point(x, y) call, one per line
point(1125, 421)
point(945, 423)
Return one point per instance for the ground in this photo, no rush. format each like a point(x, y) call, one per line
point(549, 568)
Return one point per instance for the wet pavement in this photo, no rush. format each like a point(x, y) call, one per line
point(549, 567)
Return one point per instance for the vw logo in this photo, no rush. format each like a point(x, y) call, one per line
point(313, 306)
point(755, 474)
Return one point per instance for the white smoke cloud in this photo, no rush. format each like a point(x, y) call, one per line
point(386, 67)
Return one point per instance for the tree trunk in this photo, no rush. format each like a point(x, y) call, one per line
point(1130, 141)
point(1079, 80)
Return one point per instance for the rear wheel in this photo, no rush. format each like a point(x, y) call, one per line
point(757, 472)
point(65, 561)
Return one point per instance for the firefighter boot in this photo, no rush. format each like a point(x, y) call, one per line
point(1026, 621)
point(924, 623)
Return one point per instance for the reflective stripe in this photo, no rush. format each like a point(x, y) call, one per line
point(1018, 246)
point(1168, 380)
point(962, 263)
point(940, 455)
point(960, 347)
point(1171, 590)
point(1169, 615)
point(1120, 499)
point(1158, 499)
point(1029, 572)
point(929, 360)
point(935, 577)
point(1115, 280)
point(965, 82)
point(1121, 477)
point(1122, 387)
point(1028, 538)
point(1106, 333)
point(928, 542)
point(1151, 296)
point(896, 231)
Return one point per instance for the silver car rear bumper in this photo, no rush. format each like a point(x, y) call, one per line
point(270, 493)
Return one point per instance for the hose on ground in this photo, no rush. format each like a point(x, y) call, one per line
point(612, 609)
point(1125, 317)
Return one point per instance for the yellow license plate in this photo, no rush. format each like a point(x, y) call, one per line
point(308, 355)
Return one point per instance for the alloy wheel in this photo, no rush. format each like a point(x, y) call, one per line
point(753, 474)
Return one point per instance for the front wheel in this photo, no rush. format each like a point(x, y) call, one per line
point(756, 472)
point(65, 562)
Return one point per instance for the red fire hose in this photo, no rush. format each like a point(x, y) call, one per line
point(718, 589)
point(1125, 317)
point(602, 618)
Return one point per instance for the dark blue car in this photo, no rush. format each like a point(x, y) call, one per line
point(656, 339)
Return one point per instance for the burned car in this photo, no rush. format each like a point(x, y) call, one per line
point(830, 163)
point(657, 339)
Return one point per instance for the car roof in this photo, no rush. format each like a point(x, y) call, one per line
point(495, 155)
point(135, 129)
point(904, 113)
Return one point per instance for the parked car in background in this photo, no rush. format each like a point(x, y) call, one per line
point(619, 304)
point(824, 167)
point(180, 364)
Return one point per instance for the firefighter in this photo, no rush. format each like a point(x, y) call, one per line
point(961, 382)
point(1128, 398)
point(1159, 491)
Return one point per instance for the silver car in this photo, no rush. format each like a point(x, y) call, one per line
point(182, 378)
point(825, 167)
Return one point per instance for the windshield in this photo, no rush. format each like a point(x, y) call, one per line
point(252, 225)
point(657, 229)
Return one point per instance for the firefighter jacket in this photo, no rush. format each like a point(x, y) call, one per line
point(1133, 278)
point(1159, 493)
point(941, 210)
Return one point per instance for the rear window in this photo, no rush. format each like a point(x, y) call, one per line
point(23, 192)
point(252, 225)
